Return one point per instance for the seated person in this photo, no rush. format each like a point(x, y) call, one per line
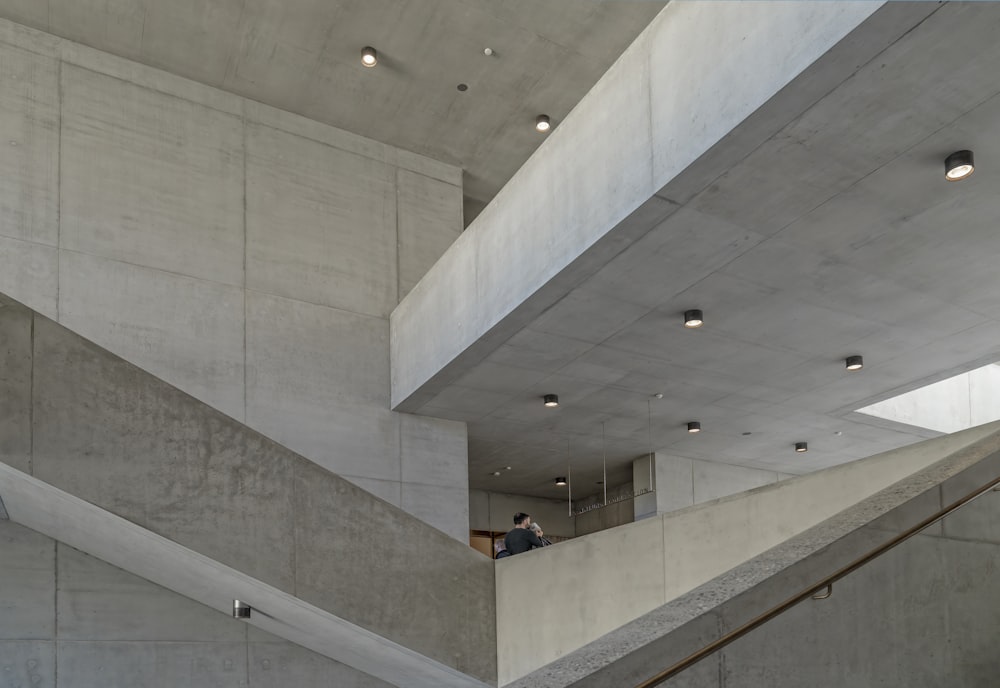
point(521, 538)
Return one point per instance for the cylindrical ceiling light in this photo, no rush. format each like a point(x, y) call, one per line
point(958, 165)
point(854, 363)
point(693, 319)
point(801, 447)
point(551, 400)
point(369, 56)
point(543, 123)
point(694, 426)
point(241, 610)
point(561, 482)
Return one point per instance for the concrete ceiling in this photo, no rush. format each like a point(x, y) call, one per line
point(837, 236)
point(304, 56)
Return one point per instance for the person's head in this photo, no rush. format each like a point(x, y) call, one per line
point(521, 520)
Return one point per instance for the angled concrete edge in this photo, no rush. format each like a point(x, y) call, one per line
point(59, 515)
point(666, 635)
point(3, 511)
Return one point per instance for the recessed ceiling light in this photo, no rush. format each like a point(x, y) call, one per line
point(958, 165)
point(801, 447)
point(543, 123)
point(551, 400)
point(369, 56)
point(693, 319)
point(496, 473)
point(854, 363)
point(694, 426)
point(561, 482)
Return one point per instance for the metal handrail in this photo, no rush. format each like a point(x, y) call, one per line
point(825, 585)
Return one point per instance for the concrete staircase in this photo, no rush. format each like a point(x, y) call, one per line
point(103, 456)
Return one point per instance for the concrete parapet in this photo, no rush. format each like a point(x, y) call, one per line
point(612, 577)
point(652, 642)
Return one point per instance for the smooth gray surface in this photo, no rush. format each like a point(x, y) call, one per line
point(444, 611)
point(15, 387)
point(27, 584)
point(343, 250)
point(141, 179)
point(29, 118)
point(304, 56)
point(116, 629)
point(189, 331)
point(28, 663)
point(235, 501)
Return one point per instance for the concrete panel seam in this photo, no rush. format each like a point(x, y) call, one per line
point(373, 316)
point(245, 318)
point(3, 511)
point(31, 399)
point(148, 267)
point(232, 113)
point(28, 46)
point(55, 609)
point(395, 182)
point(59, 176)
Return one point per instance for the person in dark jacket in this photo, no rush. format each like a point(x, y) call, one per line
point(521, 538)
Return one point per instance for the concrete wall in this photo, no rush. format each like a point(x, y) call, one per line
point(925, 614)
point(610, 578)
point(960, 402)
point(245, 255)
point(681, 482)
point(618, 511)
point(107, 432)
point(495, 511)
point(68, 620)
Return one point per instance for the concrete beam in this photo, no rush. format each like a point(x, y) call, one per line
point(671, 116)
point(63, 517)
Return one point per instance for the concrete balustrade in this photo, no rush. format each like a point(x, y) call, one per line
point(553, 601)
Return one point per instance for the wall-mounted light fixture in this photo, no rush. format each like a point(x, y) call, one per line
point(694, 426)
point(801, 447)
point(854, 363)
point(959, 165)
point(369, 56)
point(241, 610)
point(543, 123)
point(561, 482)
point(693, 319)
point(551, 400)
